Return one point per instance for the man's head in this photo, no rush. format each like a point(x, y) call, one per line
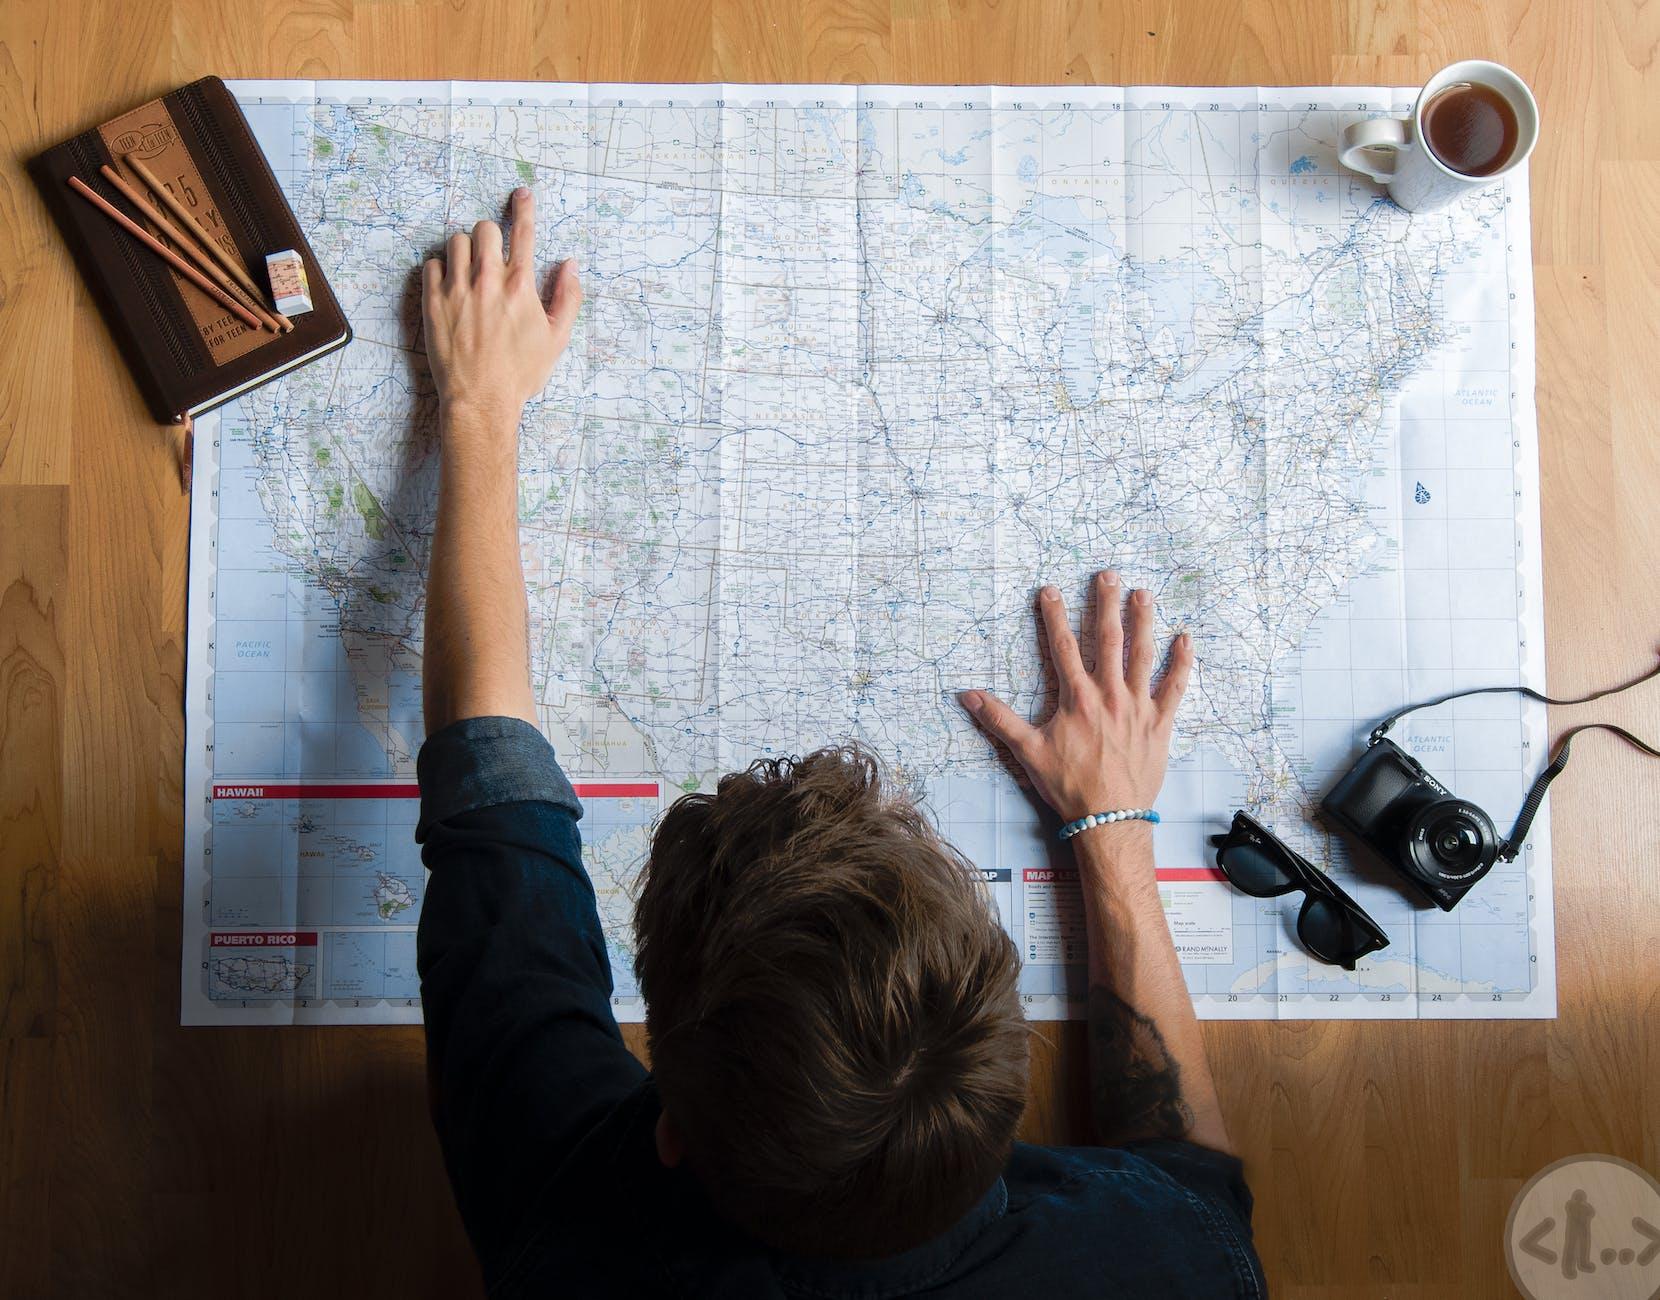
point(832, 1008)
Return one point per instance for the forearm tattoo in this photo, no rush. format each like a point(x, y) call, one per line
point(1135, 1084)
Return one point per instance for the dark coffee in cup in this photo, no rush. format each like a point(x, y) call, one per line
point(1471, 128)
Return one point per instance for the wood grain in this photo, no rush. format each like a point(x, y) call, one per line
point(37, 283)
point(32, 583)
point(138, 1158)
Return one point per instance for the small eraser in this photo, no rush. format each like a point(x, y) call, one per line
point(290, 290)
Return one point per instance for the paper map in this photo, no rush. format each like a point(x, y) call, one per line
point(858, 369)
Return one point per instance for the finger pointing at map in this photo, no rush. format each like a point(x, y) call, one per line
point(490, 339)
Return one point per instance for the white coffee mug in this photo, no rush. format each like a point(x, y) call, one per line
point(1392, 151)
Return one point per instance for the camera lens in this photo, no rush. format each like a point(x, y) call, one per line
point(1451, 840)
point(1455, 843)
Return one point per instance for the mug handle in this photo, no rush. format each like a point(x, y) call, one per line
point(1388, 135)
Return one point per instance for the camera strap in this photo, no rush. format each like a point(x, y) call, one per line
point(1559, 760)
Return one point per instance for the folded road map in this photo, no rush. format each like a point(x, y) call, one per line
point(859, 367)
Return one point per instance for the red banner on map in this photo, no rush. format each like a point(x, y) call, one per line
point(264, 939)
point(295, 790)
point(1048, 875)
point(1174, 875)
point(303, 790)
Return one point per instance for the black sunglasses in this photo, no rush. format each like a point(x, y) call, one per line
point(1331, 925)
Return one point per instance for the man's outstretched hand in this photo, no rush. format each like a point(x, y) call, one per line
point(1108, 743)
point(491, 342)
point(492, 345)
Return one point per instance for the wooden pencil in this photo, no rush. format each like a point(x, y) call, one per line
point(232, 264)
point(161, 250)
point(189, 246)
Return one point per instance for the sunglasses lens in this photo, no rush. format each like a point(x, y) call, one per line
point(1330, 933)
point(1255, 870)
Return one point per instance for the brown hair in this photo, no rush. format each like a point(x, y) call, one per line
point(832, 1008)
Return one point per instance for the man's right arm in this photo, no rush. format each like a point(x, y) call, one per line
point(524, 1055)
point(1106, 748)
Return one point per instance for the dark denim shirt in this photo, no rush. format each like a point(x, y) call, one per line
point(546, 1119)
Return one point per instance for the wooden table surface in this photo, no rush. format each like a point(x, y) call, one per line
point(140, 1158)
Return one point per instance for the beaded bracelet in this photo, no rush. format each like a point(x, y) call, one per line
point(1101, 819)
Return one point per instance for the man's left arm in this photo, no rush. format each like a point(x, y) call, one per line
point(1106, 747)
point(524, 1056)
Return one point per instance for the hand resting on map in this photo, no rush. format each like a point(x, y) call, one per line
point(1108, 743)
point(491, 341)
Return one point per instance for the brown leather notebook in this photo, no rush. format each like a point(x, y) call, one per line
point(187, 352)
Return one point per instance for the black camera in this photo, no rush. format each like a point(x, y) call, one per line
point(1441, 843)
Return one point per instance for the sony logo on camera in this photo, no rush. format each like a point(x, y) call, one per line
point(1409, 820)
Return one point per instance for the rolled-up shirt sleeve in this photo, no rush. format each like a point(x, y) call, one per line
point(523, 1053)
